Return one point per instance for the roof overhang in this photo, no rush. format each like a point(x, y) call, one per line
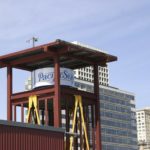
point(71, 56)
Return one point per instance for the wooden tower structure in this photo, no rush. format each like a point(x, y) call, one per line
point(52, 99)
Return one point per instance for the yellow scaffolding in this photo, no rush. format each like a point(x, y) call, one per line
point(78, 104)
point(33, 103)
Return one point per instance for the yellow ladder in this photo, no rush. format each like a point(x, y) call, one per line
point(78, 104)
point(33, 103)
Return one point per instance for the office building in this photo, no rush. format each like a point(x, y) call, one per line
point(118, 121)
point(87, 73)
point(143, 128)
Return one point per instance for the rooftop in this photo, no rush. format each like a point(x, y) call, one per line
point(71, 56)
point(31, 126)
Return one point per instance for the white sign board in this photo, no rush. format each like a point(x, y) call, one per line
point(45, 77)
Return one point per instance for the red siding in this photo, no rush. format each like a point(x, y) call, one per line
point(25, 138)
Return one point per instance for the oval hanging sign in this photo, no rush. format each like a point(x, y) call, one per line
point(45, 77)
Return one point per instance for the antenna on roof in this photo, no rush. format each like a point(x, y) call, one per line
point(33, 40)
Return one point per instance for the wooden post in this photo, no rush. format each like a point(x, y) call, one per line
point(42, 113)
point(9, 93)
point(14, 112)
point(97, 109)
point(67, 126)
point(46, 111)
point(22, 113)
point(56, 100)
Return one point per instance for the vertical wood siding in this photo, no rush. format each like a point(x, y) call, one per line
point(19, 138)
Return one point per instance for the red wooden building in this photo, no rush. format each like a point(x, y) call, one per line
point(21, 136)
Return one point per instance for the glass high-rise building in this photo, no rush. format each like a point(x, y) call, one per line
point(118, 121)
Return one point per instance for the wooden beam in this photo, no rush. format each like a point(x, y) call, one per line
point(46, 55)
point(30, 59)
point(80, 58)
point(25, 68)
point(37, 92)
point(57, 51)
point(108, 57)
point(25, 101)
point(67, 125)
point(9, 93)
point(29, 50)
point(22, 113)
point(56, 101)
point(50, 51)
point(46, 112)
point(19, 102)
point(2, 64)
point(84, 94)
point(14, 112)
point(97, 109)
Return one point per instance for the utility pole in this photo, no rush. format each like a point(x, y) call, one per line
point(33, 40)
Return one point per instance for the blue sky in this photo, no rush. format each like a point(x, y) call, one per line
point(121, 27)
